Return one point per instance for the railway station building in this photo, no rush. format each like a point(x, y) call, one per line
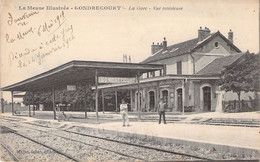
point(185, 75)
point(192, 69)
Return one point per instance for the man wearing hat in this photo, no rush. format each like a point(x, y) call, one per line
point(161, 110)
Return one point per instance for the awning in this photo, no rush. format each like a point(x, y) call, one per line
point(81, 71)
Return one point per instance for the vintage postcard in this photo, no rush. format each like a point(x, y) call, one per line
point(103, 80)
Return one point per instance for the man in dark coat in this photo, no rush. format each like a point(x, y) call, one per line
point(161, 111)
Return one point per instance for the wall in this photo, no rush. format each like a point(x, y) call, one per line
point(207, 53)
point(198, 94)
point(171, 64)
point(222, 49)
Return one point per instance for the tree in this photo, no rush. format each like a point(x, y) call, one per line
point(242, 75)
point(82, 94)
point(28, 99)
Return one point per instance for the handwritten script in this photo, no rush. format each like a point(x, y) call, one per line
point(47, 37)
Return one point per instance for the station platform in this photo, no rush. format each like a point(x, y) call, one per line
point(179, 129)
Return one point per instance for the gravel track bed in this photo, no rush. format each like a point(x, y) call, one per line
point(5, 155)
point(201, 152)
point(148, 155)
point(135, 151)
point(27, 150)
point(143, 153)
point(77, 150)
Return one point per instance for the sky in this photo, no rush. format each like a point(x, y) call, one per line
point(35, 38)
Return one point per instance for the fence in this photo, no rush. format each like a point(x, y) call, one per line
point(240, 106)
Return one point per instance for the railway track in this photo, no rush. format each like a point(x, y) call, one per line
point(14, 157)
point(65, 154)
point(133, 144)
point(118, 142)
point(37, 142)
point(49, 147)
point(141, 146)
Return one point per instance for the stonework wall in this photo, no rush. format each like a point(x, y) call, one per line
point(198, 94)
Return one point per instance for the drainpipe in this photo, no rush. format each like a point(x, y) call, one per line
point(193, 61)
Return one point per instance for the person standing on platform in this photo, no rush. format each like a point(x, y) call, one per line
point(2, 105)
point(161, 111)
point(124, 112)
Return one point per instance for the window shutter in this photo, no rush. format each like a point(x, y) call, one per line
point(179, 67)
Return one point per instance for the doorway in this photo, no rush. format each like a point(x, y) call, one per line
point(165, 96)
point(151, 100)
point(179, 99)
point(206, 98)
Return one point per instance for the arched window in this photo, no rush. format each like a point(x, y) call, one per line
point(165, 96)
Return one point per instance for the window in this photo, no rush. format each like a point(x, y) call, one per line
point(179, 67)
point(165, 96)
point(152, 74)
point(216, 44)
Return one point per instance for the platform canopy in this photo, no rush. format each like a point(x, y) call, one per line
point(81, 72)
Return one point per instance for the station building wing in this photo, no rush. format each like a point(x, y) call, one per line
point(192, 71)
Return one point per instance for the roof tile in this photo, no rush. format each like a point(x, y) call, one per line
point(174, 50)
point(184, 48)
point(217, 65)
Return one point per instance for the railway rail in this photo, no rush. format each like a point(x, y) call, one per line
point(37, 142)
point(67, 155)
point(15, 158)
point(119, 142)
point(142, 146)
point(49, 147)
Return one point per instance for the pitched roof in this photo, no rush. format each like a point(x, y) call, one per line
point(173, 50)
point(217, 65)
point(185, 47)
point(212, 36)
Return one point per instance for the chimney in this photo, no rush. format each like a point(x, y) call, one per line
point(155, 48)
point(203, 33)
point(164, 45)
point(230, 36)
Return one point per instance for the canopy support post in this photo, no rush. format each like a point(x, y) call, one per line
point(183, 96)
point(131, 100)
point(138, 96)
point(157, 96)
point(85, 102)
point(12, 96)
point(116, 101)
point(34, 103)
point(30, 115)
point(103, 101)
point(53, 102)
point(96, 84)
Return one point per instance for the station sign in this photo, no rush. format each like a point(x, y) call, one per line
point(71, 87)
point(115, 80)
point(20, 96)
